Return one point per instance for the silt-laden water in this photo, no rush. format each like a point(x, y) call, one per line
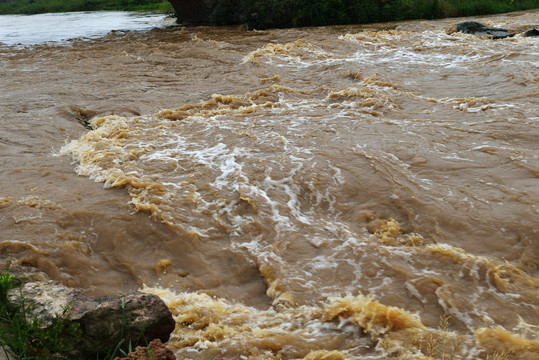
point(345, 192)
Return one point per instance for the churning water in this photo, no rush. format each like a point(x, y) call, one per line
point(322, 193)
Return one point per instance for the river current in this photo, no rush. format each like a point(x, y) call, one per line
point(347, 192)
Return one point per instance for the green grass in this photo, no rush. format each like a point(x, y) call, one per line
point(23, 336)
point(46, 6)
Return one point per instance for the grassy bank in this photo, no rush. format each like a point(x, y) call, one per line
point(47, 6)
point(295, 13)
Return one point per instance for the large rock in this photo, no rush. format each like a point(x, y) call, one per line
point(193, 12)
point(103, 320)
point(473, 27)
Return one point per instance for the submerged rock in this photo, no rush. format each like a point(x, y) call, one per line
point(473, 27)
point(103, 320)
point(530, 33)
point(154, 351)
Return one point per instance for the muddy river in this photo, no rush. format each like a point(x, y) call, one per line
point(347, 192)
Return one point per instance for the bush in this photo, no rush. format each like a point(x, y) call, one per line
point(263, 14)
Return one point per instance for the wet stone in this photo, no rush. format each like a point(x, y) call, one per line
point(473, 27)
point(530, 33)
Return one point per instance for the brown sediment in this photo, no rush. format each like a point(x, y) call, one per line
point(502, 342)
point(320, 193)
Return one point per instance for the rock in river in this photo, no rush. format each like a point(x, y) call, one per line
point(530, 33)
point(473, 27)
point(103, 319)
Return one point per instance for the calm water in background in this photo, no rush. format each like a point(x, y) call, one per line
point(319, 193)
point(40, 28)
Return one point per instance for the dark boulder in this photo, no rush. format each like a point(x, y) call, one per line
point(530, 33)
point(473, 27)
point(104, 321)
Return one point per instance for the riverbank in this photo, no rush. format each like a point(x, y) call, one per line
point(281, 14)
point(29, 7)
point(301, 13)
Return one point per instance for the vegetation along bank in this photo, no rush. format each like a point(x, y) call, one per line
point(261, 14)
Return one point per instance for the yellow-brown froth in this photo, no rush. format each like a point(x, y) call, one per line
point(321, 193)
point(358, 326)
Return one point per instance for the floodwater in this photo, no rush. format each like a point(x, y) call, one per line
point(58, 27)
point(348, 192)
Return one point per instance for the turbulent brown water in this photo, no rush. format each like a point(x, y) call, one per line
point(322, 193)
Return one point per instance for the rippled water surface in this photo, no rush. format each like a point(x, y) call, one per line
point(345, 192)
